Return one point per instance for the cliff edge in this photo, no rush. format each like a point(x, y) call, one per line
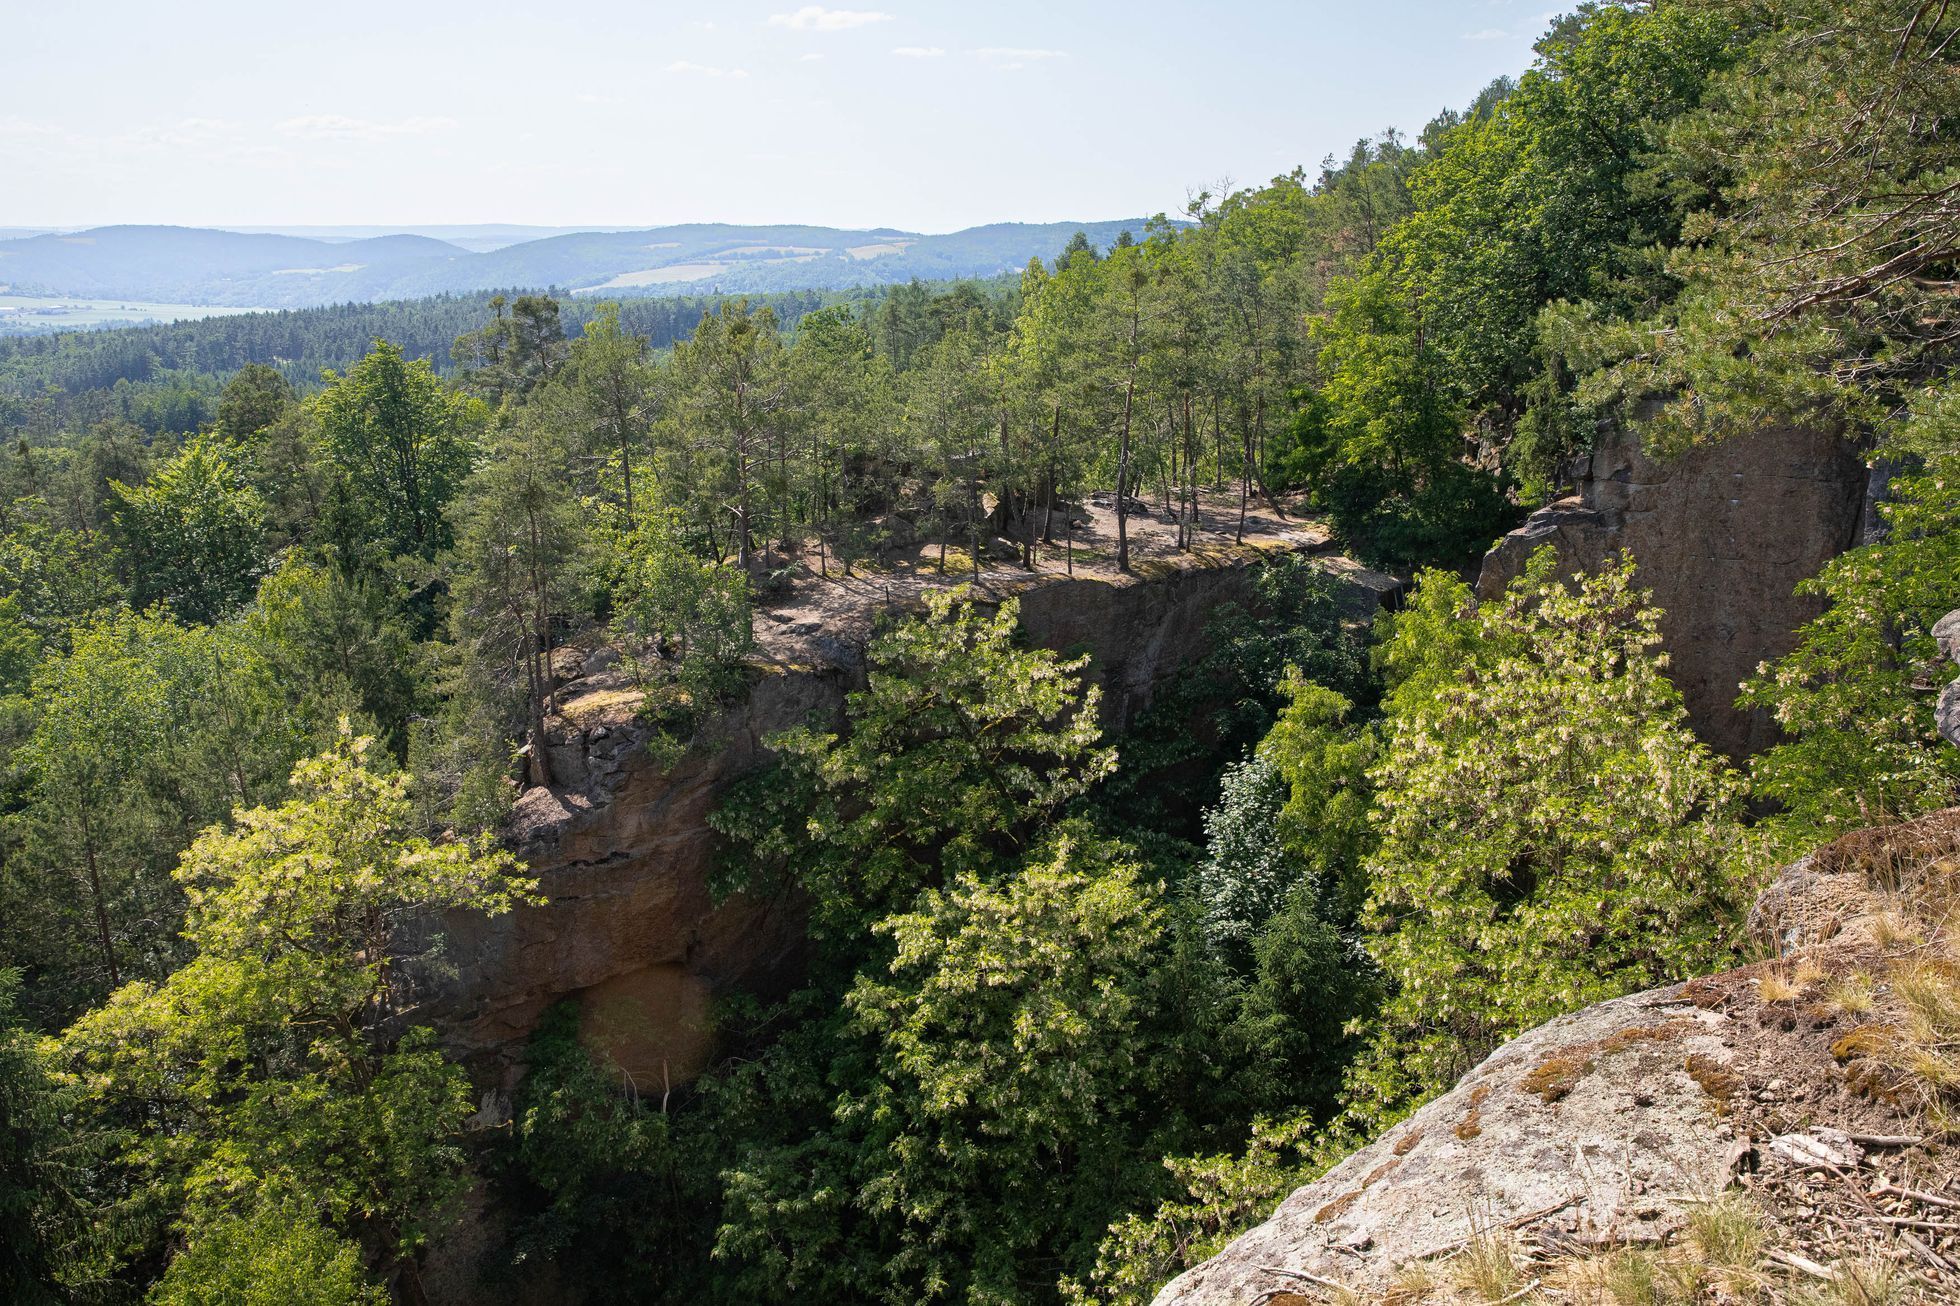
point(1811, 1082)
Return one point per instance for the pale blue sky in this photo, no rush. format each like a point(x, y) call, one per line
point(923, 114)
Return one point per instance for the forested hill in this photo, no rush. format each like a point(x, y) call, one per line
point(185, 265)
point(167, 377)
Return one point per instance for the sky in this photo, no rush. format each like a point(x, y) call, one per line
point(927, 115)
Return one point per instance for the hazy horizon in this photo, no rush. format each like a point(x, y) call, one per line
point(926, 118)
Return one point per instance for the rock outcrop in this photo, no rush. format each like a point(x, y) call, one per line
point(1606, 1127)
point(1722, 536)
point(624, 852)
point(1946, 714)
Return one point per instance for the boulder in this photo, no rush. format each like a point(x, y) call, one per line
point(1607, 1127)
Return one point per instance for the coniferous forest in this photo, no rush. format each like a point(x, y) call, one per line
point(280, 599)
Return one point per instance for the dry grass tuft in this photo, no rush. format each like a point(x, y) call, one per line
point(1728, 1233)
point(1486, 1270)
point(1859, 1283)
point(1852, 995)
point(1774, 987)
point(1413, 1282)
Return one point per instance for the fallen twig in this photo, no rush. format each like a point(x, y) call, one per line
point(1919, 1224)
point(1525, 1291)
point(1323, 1282)
point(1515, 1222)
point(1926, 1253)
point(1802, 1263)
point(1885, 1140)
point(1885, 1187)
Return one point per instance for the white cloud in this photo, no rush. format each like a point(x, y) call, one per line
point(703, 70)
point(601, 99)
point(1486, 34)
point(25, 128)
point(185, 132)
point(812, 57)
point(816, 18)
point(339, 127)
point(1019, 54)
point(918, 52)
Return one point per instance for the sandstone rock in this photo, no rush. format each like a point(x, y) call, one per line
point(1946, 633)
point(1946, 714)
point(1568, 1134)
point(1603, 1127)
point(1722, 536)
point(624, 853)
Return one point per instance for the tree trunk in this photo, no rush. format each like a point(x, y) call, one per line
point(101, 908)
point(1122, 477)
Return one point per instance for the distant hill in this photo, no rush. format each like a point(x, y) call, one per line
point(192, 265)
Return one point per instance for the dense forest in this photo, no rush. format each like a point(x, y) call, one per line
point(276, 663)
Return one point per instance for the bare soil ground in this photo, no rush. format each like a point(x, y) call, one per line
point(808, 618)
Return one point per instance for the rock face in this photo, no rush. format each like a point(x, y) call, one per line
point(1602, 1128)
point(1946, 714)
point(1546, 1136)
point(624, 853)
point(1722, 536)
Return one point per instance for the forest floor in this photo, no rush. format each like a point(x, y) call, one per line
point(801, 620)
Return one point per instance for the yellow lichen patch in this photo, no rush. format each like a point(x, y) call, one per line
point(1557, 1076)
point(1375, 1175)
point(1864, 1041)
point(1407, 1143)
point(1626, 1038)
point(1336, 1208)
point(1717, 1081)
point(588, 708)
point(1471, 1125)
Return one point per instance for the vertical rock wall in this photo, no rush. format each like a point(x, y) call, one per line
point(1722, 536)
point(624, 853)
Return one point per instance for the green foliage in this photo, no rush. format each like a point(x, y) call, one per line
point(274, 1254)
point(1223, 1195)
point(992, 1076)
point(1852, 697)
point(272, 1065)
point(20, 647)
point(522, 543)
point(1551, 833)
point(400, 444)
point(1008, 1047)
point(1324, 761)
point(192, 535)
point(41, 1219)
point(1248, 870)
point(143, 732)
point(961, 747)
point(618, 1207)
point(1222, 702)
point(687, 611)
point(337, 645)
point(254, 399)
point(1814, 286)
point(515, 354)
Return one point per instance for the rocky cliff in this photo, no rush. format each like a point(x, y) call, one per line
point(622, 847)
point(1808, 1080)
point(1722, 536)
